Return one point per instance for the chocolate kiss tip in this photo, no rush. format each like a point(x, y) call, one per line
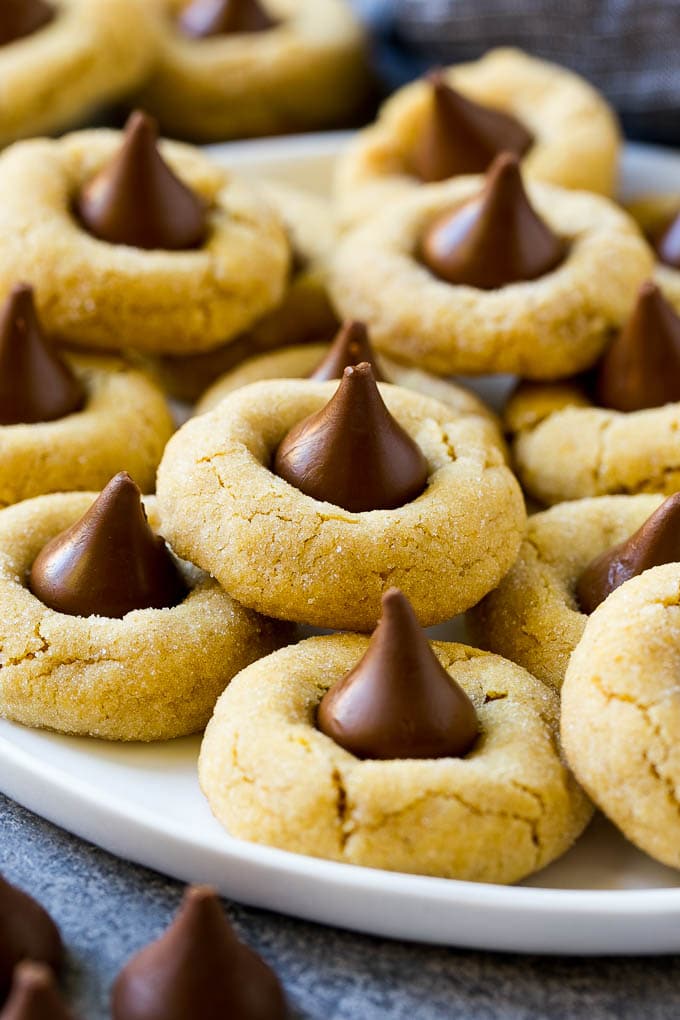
point(20, 18)
point(352, 453)
point(460, 136)
point(204, 18)
point(667, 242)
point(35, 384)
point(198, 969)
point(26, 931)
point(399, 701)
point(137, 200)
point(641, 367)
point(34, 995)
point(655, 543)
point(351, 346)
point(109, 562)
point(495, 239)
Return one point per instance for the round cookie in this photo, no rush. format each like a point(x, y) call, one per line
point(575, 135)
point(152, 675)
point(292, 556)
point(541, 328)
point(90, 53)
point(504, 810)
point(621, 714)
point(533, 616)
point(307, 71)
point(303, 314)
point(298, 362)
point(99, 295)
point(123, 426)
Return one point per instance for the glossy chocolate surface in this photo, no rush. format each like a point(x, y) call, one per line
point(460, 136)
point(351, 346)
point(35, 384)
point(27, 932)
point(399, 701)
point(655, 543)
point(19, 18)
point(137, 200)
point(495, 239)
point(641, 367)
point(352, 452)
point(198, 970)
point(34, 995)
point(109, 562)
point(205, 18)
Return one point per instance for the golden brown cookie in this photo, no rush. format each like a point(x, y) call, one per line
point(102, 295)
point(504, 810)
point(295, 557)
point(575, 134)
point(307, 71)
point(653, 212)
point(533, 616)
point(152, 675)
point(621, 713)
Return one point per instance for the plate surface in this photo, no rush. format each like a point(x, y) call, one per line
point(143, 802)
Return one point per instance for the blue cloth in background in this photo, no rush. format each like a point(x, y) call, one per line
point(628, 48)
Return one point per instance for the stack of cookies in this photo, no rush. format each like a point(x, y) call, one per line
point(334, 475)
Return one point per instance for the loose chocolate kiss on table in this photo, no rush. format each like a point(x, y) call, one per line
point(204, 18)
point(34, 995)
point(460, 136)
point(351, 346)
point(23, 17)
point(198, 969)
point(109, 562)
point(641, 367)
point(35, 384)
point(399, 701)
point(137, 200)
point(27, 932)
point(352, 452)
point(655, 543)
point(495, 239)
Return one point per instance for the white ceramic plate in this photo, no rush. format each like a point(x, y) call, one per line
point(144, 803)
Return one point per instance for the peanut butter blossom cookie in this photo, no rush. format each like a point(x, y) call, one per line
point(621, 711)
point(233, 68)
point(614, 430)
point(574, 555)
point(70, 421)
point(492, 275)
point(392, 753)
point(104, 632)
point(62, 59)
point(131, 244)
point(28, 932)
point(658, 215)
point(198, 968)
point(307, 500)
point(457, 120)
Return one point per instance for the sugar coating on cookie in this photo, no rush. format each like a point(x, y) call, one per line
point(294, 557)
point(621, 711)
point(504, 810)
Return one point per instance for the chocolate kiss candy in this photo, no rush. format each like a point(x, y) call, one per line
point(351, 346)
point(667, 242)
point(204, 18)
point(399, 701)
point(641, 368)
point(198, 970)
point(352, 452)
point(34, 995)
point(19, 18)
point(137, 200)
point(35, 384)
point(495, 239)
point(461, 137)
point(109, 562)
point(655, 543)
point(27, 932)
